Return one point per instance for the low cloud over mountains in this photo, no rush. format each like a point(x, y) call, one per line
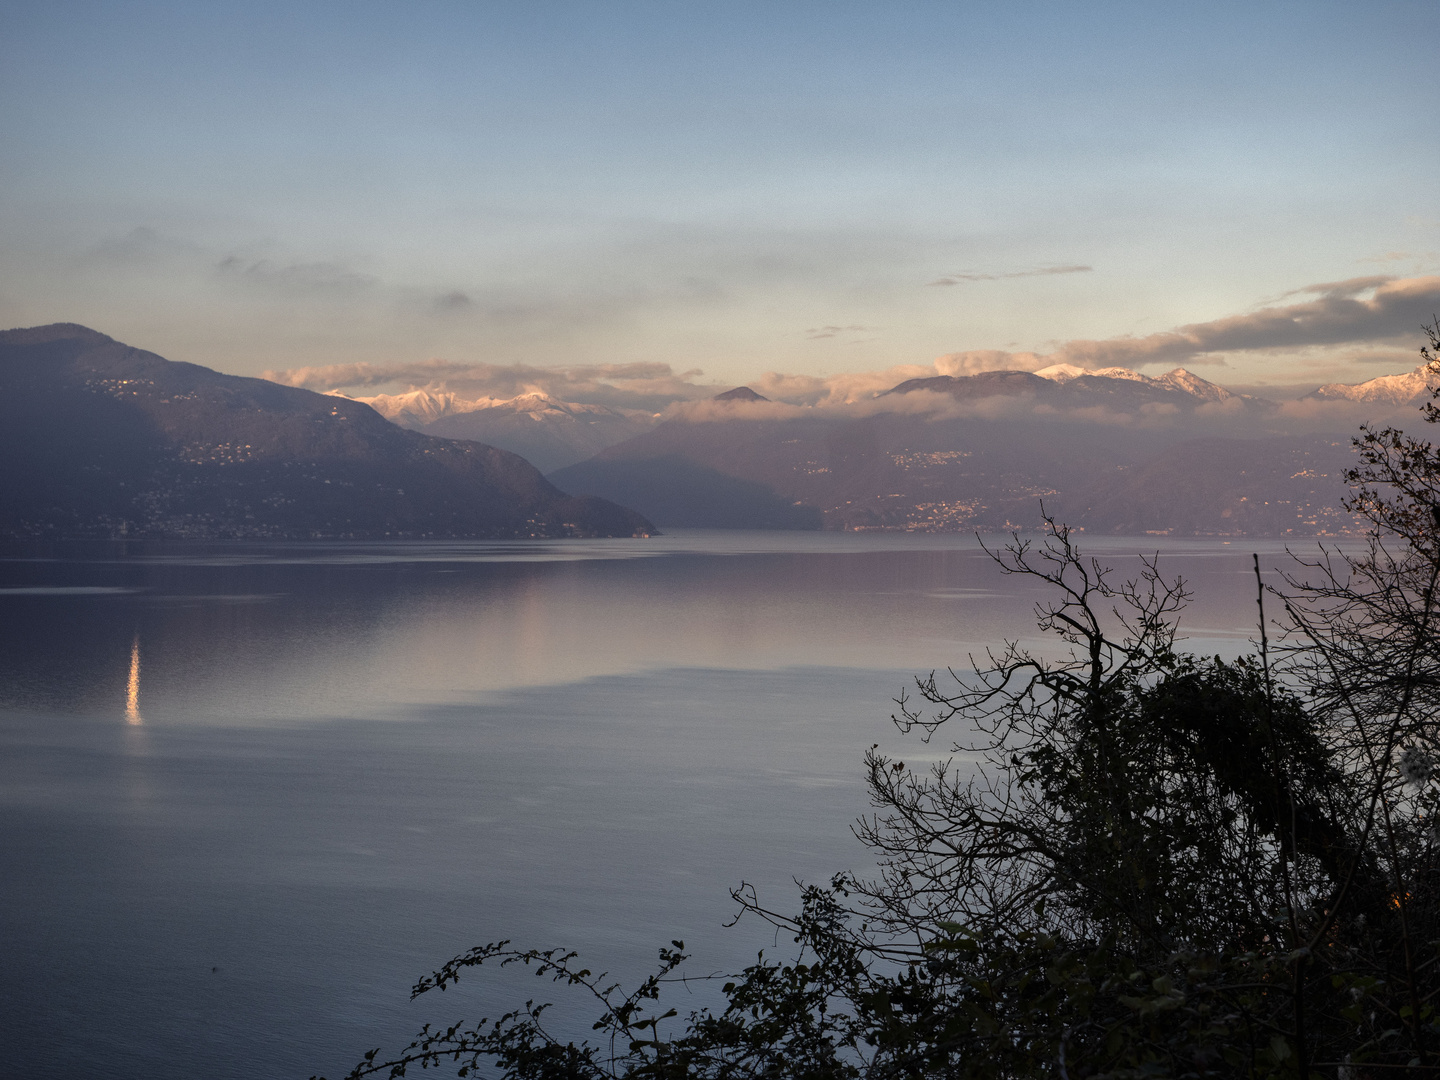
point(1342, 323)
point(1341, 313)
point(973, 440)
point(115, 441)
point(649, 386)
point(1112, 450)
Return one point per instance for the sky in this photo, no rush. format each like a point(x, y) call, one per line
point(691, 195)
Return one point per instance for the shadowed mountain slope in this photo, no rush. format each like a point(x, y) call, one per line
point(108, 440)
point(1138, 471)
point(1274, 486)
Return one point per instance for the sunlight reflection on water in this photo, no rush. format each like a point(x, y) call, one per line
point(132, 686)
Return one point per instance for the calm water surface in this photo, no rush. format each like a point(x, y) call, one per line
point(248, 793)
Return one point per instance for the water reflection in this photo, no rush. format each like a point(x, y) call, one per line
point(264, 633)
point(598, 740)
point(132, 688)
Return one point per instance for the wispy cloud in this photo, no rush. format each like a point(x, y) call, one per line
point(1340, 314)
point(1350, 287)
point(845, 389)
point(453, 301)
point(1039, 271)
point(815, 333)
point(268, 271)
point(142, 246)
point(648, 385)
point(325, 277)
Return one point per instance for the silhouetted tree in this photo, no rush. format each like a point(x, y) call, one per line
point(1137, 863)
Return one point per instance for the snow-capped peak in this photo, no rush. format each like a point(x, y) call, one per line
point(415, 406)
point(1066, 372)
point(538, 401)
point(1180, 380)
point(1387, 389)
point(1193, 384)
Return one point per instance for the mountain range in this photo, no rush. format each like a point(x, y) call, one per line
point(1111, 451)
point(108, 440)
point(105, 440)
point(553, 434)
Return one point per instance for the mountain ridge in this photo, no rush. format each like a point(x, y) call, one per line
point(1109, 448)
point(1114, 452)
point(1068, 386)
point(553, 433)
point(1403, 389)
point(111, 440)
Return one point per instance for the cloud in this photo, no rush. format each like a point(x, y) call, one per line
point(1319, 414)
point(1398, 359)
point(270, 271)
point(1039, 271)
point(367, 376)
point(646, 385)
point(453, 301)
point(1339, 315)
point(710, 411)
point(977, 360)
point(835, 391)
point(143, 246)
point(817, 332)
point(322, 277)
point(1350, 287)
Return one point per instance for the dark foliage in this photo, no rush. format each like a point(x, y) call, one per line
point(1139, 863)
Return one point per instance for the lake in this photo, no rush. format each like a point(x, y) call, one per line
point(250, 792)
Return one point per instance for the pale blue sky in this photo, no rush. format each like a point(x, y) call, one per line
point(267, 185)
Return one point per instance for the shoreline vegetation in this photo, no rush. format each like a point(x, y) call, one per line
point(1162, 865)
